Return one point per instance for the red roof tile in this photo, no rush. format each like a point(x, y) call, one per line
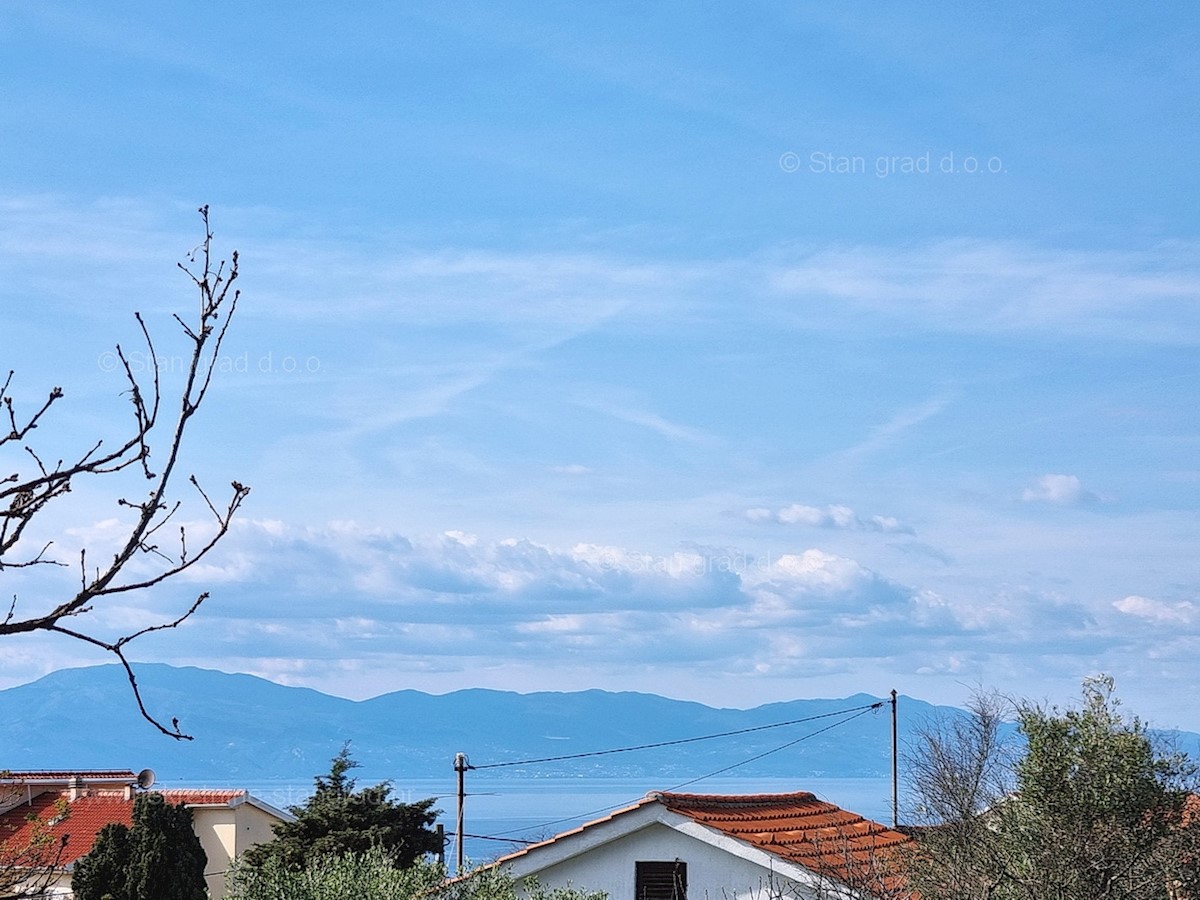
point(88, 814)
point(798, 827)
point(85, 817)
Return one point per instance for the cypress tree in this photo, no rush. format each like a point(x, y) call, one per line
point(101, 874)
point(167, 861)
point(340, 819)
point(159, 858)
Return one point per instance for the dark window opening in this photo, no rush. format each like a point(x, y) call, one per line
point(661, 880)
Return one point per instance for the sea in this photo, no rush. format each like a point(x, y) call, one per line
point(503, 814)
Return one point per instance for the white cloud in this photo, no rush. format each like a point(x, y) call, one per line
point(1060, 490)
point(493, 593)
point(1181, 613)
point(366, 609)
point(836, 517)
point(572, 469)
point(818, 567)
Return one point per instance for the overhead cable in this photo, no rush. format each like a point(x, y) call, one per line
point(691, 740)
point(850, 714)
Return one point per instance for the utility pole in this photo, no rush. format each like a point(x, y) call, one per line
point(895, 767)
point(460, 766)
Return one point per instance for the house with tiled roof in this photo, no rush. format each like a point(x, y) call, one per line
point(672, 846)
point(67, 810)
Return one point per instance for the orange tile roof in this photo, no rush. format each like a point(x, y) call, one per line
point(88, 814)
point(802, 829)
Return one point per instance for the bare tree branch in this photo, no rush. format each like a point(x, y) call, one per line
point(33, 487)
point(31, 855)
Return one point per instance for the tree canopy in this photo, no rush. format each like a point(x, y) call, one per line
point(1093, 808)
point(340, 819)
point(158, 858)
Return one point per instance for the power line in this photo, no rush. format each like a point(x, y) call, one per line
point(852, 713)
point(691, 740)
point(503, 840)
point(861, 712)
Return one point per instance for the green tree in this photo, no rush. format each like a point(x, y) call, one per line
point(495, 883)
point(102, 873)
point(339, 819)
point(158, 858)
point(371, 875)
point(1094, 808)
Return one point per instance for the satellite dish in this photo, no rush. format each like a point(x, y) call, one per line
point(145, 778)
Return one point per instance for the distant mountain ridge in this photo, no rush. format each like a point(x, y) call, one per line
point(248, 729)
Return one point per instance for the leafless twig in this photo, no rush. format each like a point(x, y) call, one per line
point(33, 486)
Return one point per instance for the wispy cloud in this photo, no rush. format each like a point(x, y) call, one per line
point(577, 469)
point(958, 285)
point(673, 431)
point(834, 517)
point(980, 286)
point(888, 433)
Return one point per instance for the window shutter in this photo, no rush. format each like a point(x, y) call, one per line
point(661, 880)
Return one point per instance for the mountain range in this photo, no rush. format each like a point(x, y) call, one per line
point(250, 730)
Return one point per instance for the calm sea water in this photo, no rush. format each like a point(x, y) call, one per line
point(501, 812)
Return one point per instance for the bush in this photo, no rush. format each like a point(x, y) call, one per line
point(372, 875)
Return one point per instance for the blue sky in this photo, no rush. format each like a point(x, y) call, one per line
point(734, 352)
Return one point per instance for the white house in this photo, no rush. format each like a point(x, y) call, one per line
point(715, 847)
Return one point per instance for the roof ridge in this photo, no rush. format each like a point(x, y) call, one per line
point(738, 800)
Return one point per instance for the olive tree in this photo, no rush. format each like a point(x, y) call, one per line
point(373, 875)
point(1092, 807)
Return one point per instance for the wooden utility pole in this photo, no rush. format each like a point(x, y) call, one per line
point(460, 766)
point(895, 767)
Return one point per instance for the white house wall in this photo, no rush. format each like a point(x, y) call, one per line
point(215, 827)
point(712, 873)
point(225, 833)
